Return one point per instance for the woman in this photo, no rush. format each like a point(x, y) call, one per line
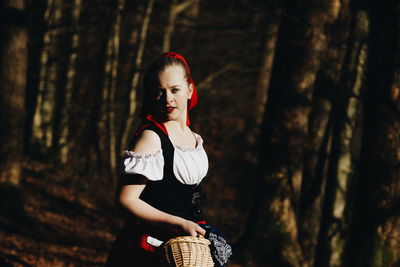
point(164, 166)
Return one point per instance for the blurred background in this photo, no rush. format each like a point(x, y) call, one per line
point(299, 109)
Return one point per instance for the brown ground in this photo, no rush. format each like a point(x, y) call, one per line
point(59, 227)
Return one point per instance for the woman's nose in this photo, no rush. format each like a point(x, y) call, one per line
point(169, 96)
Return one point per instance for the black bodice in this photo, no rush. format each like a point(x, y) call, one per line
point(169, 194)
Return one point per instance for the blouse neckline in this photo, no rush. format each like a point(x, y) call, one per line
point(198, 146)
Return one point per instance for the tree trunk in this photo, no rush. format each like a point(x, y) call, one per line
point(95, 21)
point(68, 88)
point(37, 28)
point(174, 11)
point(129, 125)
point(42, 117)
point(341, 167)
point(63, 50)
point(377, 193)
point(271, 32)
point(343, 62)
point(14, 60)
point(284, 129)
point(128, 46)
point(107, 124)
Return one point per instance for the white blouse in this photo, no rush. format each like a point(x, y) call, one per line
point(190, 165)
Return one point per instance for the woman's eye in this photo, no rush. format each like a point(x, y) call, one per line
point(159, 93)
point(174, 90)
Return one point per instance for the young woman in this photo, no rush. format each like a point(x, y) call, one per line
point(163, 167)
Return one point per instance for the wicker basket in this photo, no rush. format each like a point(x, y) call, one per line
point(185, 251)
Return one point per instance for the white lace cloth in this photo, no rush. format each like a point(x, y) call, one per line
point(190, 165)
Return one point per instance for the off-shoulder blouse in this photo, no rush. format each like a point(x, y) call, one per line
point(190, 165)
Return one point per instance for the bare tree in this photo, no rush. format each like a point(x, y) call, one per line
point(376, 191)
point(271, 32)
point(13, 58)
point(175, 9)
point(45, 94)
point(129, 41)
point(96, 19)
point(127, 133)
point(63, 47)
point(283, 138)
point(343, 83)
point(37, 29)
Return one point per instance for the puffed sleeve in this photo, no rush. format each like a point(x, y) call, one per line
point(149, 165)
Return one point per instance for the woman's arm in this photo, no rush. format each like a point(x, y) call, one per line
point(129, 199)
point(149, 143)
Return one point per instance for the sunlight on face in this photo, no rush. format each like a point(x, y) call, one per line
point(174, 93)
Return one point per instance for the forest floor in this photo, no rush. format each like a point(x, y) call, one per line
point(58, 227)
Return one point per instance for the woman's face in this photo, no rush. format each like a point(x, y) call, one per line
point(173, 93)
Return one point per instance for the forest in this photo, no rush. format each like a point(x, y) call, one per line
point(299, 107)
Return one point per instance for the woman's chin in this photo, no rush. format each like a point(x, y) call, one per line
point(174, 117)
point(171, 117)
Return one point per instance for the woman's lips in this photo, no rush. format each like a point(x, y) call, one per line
point(170, 109)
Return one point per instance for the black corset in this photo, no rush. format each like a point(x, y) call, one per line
point(170, 195)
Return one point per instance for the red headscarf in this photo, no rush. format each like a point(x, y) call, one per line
point(152, 118)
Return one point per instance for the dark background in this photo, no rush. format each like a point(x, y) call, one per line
point(299, 109)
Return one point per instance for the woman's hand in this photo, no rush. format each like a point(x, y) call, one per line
point(192, 228)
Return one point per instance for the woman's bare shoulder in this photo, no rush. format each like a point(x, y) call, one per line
point(148, 143)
